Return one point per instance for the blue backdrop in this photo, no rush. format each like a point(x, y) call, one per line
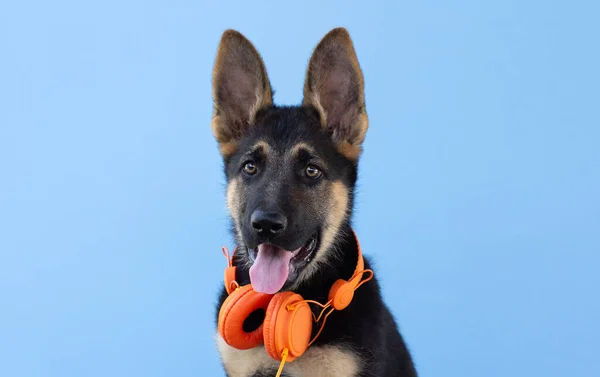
point(478, 198)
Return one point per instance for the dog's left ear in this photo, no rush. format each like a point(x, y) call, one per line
point(334, 85)
point(241, 88)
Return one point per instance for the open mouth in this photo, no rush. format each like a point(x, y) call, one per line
point(272, 264)
point(305, 252)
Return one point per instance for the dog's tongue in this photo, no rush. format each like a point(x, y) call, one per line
point(270, 269)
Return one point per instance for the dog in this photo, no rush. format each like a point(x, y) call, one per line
point(291, 173)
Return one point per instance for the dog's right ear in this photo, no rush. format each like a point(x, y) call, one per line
point(241, 88)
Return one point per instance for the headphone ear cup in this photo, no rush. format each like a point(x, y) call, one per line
point(341, 294)
point(286, 328)
point(269, 325)
point(235, 310)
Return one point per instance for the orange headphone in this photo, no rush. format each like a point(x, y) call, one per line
point(287, 326)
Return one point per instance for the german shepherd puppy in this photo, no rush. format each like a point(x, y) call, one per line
point(291, 173)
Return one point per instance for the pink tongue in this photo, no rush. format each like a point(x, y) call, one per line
point(270, 269)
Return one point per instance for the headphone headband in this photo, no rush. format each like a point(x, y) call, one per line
point(360, 265)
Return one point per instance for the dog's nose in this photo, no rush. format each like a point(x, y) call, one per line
point(266, 223)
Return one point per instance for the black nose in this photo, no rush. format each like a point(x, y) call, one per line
point(265, 223)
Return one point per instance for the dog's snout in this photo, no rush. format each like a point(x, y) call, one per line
point(267, 223)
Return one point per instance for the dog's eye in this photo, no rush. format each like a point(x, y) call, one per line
point(250, 168)
point(312, 172)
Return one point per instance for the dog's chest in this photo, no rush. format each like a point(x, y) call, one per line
point(327, 361)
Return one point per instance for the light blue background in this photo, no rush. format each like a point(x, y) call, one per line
point(478, 198)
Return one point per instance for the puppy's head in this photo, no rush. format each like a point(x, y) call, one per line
point(290, 171)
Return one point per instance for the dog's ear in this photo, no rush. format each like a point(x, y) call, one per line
point(241, 88)
point(334, 85)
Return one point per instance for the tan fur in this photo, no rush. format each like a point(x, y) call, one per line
point(337, 209)
point(233, 201)
point(296, 149)
point(262, 100)
point(266, 148)
point(350, 151)
point(227, 149)
point(337, 213)
point(243, 363)
point(324, 361)
point(235, 189)
point(316, 102)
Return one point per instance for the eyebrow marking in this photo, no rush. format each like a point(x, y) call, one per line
point(261, 146)
point(300, 147)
